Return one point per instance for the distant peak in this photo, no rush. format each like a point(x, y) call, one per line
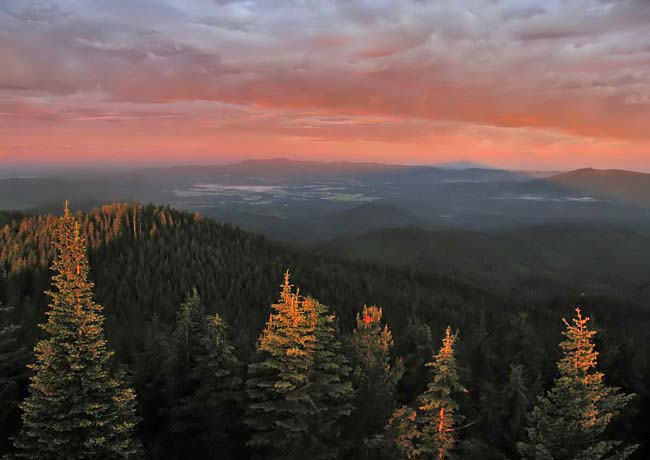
point(269, 160)
point(290, 161)
point(593, 172)
point(463, 164)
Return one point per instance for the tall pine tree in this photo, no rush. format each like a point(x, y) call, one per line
point(437, 415)
point(78, 407)
point(221, 392)
point(569, 422)
point(203, 387)
point(514, 401)
point(281, 411)
point(330, 388)
point(300, 388)
point(151, 380)
point(375, 377)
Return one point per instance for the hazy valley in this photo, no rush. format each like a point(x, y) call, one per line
point(308, 201)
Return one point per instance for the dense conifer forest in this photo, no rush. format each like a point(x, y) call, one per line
point(229, 345)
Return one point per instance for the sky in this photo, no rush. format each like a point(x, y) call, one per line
point(526, 84)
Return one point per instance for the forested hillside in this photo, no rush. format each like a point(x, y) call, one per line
point(146, 262)
point(549, 259)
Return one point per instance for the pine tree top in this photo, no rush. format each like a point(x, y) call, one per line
point(370, 316)
point(444, 361)
point(287, 288)
point(369, 329)
point(580, 355)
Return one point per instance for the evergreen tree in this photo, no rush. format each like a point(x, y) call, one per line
point(203, 387)
point(187, 330)
point(220, 393)
point(568, 423)
point(523, 346)
point(397, 442)
point(437, 416)
point(484, 362)
point(514, 401)
point(78, 407)
point(281, 411)
point(13, 357)
point(151, 380)
point(415, 345)
point(375, 375)
point(330, 388)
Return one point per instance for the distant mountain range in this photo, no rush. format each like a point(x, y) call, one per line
point(463, 164)
point(310, 201)
point(279, 169)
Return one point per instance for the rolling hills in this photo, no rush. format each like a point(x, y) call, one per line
point(626, 186)
point(574, 258)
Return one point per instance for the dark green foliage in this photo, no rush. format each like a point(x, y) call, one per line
point(220, 394)
point(375, 377)
point(78, 407)
point(514, 400)
point(151, 382)
point(203, 390)
point(569, 422)
point(13, 375)
point(330, 388)
point(10, 349)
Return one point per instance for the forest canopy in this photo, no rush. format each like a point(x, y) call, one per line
point(187, 299)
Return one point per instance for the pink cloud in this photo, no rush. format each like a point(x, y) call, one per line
point(399, 76)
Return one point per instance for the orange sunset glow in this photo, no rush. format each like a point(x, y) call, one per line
point(325, 229)
point(516, 84)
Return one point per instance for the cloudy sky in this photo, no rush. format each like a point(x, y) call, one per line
point(516, 83)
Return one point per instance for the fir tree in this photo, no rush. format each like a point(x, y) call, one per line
point(485, 366)
point(220, 393)
point(281, 410)
point(416, 344)
point(514, 401)
point(188, 329)
point(375, 375)
point(151, 379)
point(568, 423)
point(203, 386)
point(330, 388)
point(397, 442)
point(78, 407)
point(177, 421)
point(13, 357)
point(437, 416)
point(523, 346)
